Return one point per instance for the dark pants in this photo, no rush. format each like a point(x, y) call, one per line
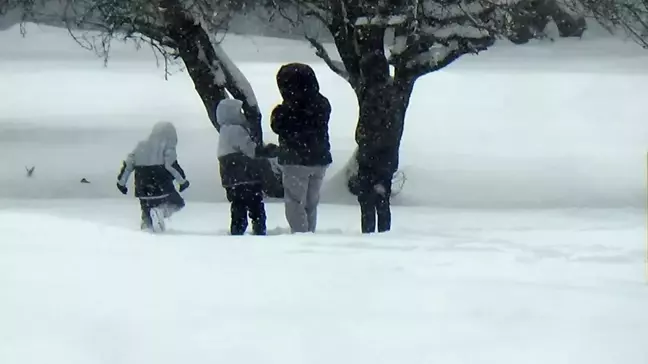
point(374, 194)
point(169, 204)
point(247, 200)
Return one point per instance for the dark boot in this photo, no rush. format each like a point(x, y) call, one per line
point(367, 216)
point(239, 221)
point(259, 227)
point(383, 209)
point(256, 208)
point(146, 215)
point(258, 217)
point(384, 214)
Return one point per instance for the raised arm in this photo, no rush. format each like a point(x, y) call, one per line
point(127, 168)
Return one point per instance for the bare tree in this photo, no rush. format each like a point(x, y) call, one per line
point(416, 37)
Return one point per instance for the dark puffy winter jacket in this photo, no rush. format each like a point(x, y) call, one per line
point(236, 149)
point(377, 135)
point(155, 164)
point(301, 120)
point(379, 132)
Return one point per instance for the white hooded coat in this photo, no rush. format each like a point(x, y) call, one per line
point(158, 150)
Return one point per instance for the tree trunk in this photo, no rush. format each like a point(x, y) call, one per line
point(212, 81)
point(353, 43)
point(400, 91)
point(192, 43)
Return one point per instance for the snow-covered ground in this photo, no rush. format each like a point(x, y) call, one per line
point(81, 285)
point(519, 236)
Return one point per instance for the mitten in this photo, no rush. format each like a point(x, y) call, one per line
point(122, 189)
point(184, 186)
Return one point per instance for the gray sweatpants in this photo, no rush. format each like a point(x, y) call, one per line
point(302, 186)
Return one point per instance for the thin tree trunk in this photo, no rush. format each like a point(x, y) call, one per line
point(212, 81)
point(213, 73)
point(401, 89)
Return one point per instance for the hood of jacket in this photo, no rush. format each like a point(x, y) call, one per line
point(296, 82)
point(164, 134)
point(228, 112)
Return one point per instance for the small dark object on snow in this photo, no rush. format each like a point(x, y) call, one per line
point(30, 171)
point(83, 180)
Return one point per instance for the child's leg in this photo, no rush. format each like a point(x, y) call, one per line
point(384, 214)
point(238, 210)
point(146, 214)
point(256, 208)
point(366, 199)
point(383, 206)
point(173, 203)
point(315, 182)
point(155, 214)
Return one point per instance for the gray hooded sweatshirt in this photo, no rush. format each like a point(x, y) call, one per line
point(236, 149)
point(155, 164)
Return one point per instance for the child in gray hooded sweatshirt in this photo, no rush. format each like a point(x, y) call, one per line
point(240, 170)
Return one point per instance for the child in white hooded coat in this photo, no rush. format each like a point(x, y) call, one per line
point(155, 164)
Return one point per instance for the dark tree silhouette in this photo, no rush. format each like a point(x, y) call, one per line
point(416, 37)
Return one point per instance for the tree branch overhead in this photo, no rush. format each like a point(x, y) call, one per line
point(334, 65)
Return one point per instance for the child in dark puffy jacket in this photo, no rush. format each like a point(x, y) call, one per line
point(240, 169)
point(378, 138)
point(155, 164)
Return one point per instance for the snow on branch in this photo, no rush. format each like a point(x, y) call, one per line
point(454, 30)
point(334, 65)
point(443, 32)
point(430, 6)
point(440, 11)
point(315, 11)
point(443, 54)
point(398, 44)
point(381, 20)
point(435, 57)
point(215, 69)
point(238, 86)
point(468, 18)
point(234, 74)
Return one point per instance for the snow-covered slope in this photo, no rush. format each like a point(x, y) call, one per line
point(81, 286)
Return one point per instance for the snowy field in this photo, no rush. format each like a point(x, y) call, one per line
point(519, 236)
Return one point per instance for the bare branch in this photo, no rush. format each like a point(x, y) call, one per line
point(335, 66)
point(440, 57)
